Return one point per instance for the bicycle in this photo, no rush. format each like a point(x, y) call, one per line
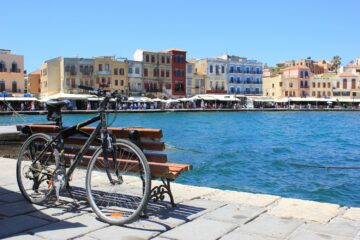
point(118, 178)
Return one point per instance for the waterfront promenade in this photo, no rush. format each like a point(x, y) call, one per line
point(201, 213)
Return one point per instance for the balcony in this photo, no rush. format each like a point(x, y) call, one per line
point(105, 72)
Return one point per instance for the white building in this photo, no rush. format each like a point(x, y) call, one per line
point(135, 74)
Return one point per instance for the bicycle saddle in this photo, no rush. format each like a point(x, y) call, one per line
point(57, 104)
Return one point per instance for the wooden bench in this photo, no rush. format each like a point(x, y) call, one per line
point(147, 139)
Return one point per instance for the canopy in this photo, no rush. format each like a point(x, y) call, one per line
point(226, 98)
point(67, 96)
point(19, 99)
point(158, 100)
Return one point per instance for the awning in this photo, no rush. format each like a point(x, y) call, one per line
point(226, 98)
point(207, 98)
point(68, 96)
point(18, 99)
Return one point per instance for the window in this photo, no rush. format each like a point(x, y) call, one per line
point(2, 67)
point(301, 74)
point(2, 86)
point(291, 84)
point(280, 84)
point(14, 67)
point(319, 85)
point(146, 58)
point(121, 70)
point(162, 73)
point(231, 79)
point(217, 70)
point(238, 80)
point(211, 68)
point(152, 58)
point(14, 86)
point(162, 59)
point(145, 72)
point(155, 72)
point(301, 84)
point(353, 84)
point(137, 70)
point(107, 67)
point(130, 70)
point(116, 82)
point(324, 85)
point(115, 71)
point(329, 85)
point(121, 82)
point(167, 73)
point(72, 70)
point(306, 74)
point(222, 69)
point(314, 85)
point(189, 68)
point(344, 84)
point(273, 85)
point(73, 83)
point(231, 69)
point(337, 85)
point(100, 67)
point(168, 59)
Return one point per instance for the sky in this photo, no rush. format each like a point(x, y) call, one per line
point(267, 31)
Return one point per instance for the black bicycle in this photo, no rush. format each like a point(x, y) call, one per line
point(117, 176)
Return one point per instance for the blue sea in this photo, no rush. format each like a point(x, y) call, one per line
point(258, 152)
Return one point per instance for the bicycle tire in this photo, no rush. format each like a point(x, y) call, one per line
point(128, 203)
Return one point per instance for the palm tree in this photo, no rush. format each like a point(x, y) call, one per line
point(335, 63)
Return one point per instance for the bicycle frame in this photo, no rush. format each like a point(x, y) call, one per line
point(70, 131)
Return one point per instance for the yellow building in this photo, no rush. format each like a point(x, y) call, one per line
point(322, 86)
point(33, 83)
point(112, 74)
point(11, 72)
point(272, 86)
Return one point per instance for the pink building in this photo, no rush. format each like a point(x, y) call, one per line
point(11, 72)
point(295, 81)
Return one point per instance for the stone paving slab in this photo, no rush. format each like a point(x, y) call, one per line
point(235, 213)
point(270, 226)
point(352, 214)
point(248, 199)
point(71, 228)
point(309, 235)
point(18, 208)
point(24, 237)
point(304, 209)
point(240, 235)
point(200, 229)
point(337, 227)
point(10, 226)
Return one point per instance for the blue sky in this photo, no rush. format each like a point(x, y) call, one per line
point(268, 31)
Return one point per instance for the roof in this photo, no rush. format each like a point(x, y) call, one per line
point(347, 74)
point(297, 67)
point(36, 72)
point(174, 49)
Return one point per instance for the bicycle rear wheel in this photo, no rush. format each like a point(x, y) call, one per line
point(34, 173)
point(118, 191)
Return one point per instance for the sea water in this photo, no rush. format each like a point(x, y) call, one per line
point(259, 152)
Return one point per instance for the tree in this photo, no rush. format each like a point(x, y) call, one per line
point(335, 63)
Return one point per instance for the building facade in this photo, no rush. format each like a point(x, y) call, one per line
point(135, 74)
point(111, 74)
point(313, 65)
point(178, 65)
point(347, 85)
point(295, 81)
point(63, 75)
point(243, 76)
point(157, 72)
point(189, 77)
point(214, 70)
point(322, 86)
point(272, 86)
point(33, 83)
point(11, 72)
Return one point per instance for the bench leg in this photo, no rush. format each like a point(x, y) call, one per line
point(158, 192)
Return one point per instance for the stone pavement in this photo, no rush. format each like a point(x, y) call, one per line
point(201, 213)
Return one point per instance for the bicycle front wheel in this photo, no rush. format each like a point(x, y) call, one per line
point(118, 191)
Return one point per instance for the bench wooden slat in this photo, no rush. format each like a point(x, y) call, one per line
point(168, 170)
point(150, 156)
point(118, 132)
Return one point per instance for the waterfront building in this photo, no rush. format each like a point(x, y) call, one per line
point(136, 82)
point(189, 77)
point(214, 70)
point(347, 85)
point(272, 86)
point(157, 68)
point(111, 73)
point(11, 72)
point(321, 86)
point(33, 83)
point(313, 65)
point(178, 65)
point(295, 81)
point(243, 76)
point(352, 67)
point(63, 75)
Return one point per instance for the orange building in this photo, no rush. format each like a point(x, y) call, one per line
point(295, 81)
point(33, 83)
